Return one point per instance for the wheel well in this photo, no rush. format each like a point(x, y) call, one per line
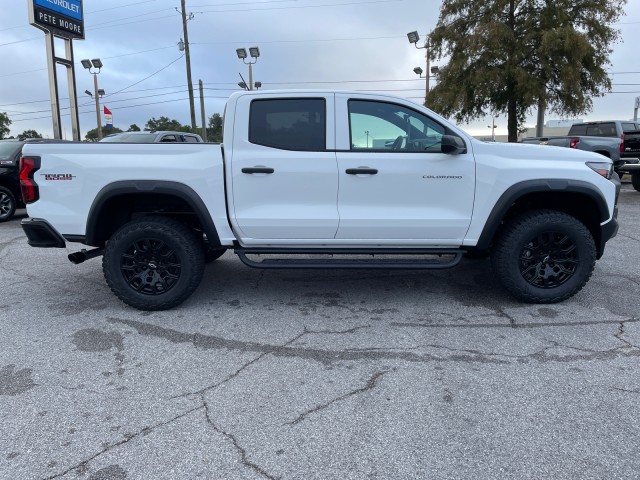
point(581, 206)
point(120, 209)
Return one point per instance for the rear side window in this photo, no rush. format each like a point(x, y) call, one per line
point(289, 124)
point(191, 139)
point(605, 129)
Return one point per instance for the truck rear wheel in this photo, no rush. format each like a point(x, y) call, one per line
point(635, 181)
point(153, 263)
point(544, 256)
point(7, 204)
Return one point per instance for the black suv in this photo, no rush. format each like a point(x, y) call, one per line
point(10, 197)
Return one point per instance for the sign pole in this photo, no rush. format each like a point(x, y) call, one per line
point(73, 97)
point(53, 86)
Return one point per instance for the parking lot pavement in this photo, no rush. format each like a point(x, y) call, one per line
point(319, 375)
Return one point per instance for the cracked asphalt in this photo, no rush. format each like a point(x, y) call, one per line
point(319, 374)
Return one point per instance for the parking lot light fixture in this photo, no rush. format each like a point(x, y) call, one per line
point(242, 55)
point(413, 37)
point(418, 71)
point(94, 67)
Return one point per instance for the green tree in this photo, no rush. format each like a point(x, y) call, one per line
point(133, 128)
point(214, 129)
point(511, 55)
point(163, 123)
point(92, 135)
point(29, 134)
point(4, 124)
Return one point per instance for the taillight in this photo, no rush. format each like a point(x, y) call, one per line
point(28, 186)
point(621, 142)
point(573, 143)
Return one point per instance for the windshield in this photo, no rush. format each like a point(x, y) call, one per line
point(9, 149)
point(131, 138)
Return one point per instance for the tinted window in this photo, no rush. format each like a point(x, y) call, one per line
point(289, 124)
point(629, 127)
point(169, 138)
point(385, 126)
point(191, 139)
point(578, 130)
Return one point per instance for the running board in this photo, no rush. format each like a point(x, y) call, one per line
point(423, 258)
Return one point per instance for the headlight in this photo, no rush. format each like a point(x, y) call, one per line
point(603, 168)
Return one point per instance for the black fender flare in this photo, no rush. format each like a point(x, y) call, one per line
point(123, 187)
point(513, 193)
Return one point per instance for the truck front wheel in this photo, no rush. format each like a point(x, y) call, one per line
point(153, 263)
point(544, 256)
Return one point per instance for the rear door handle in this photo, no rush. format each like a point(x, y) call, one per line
point(257, 170)
point(361, 171)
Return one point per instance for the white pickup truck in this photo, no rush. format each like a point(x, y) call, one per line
point(323, 179)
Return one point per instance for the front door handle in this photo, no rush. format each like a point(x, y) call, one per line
point(257, 170)
point(361, 171)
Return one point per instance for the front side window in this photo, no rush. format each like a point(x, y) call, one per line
point(382, 126)
point(191, 139)
point(289, 124)
point(169, 138)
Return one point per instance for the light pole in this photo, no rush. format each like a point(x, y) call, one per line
point(95, 63)
point(415, 38)
point(434, 71)
point(367, 134)
point(254, 52)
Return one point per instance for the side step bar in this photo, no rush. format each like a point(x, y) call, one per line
point(422, 258)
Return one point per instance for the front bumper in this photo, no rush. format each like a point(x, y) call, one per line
point(41, 234)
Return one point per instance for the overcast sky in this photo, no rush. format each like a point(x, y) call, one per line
point(342, 44)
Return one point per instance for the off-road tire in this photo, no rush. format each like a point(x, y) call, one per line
point(635, 181)
point(544, 256)
point(8, 204)
point(153, 263)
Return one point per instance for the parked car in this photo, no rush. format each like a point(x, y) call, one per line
point(153, 137)
point(618, 140)
point(10, 196)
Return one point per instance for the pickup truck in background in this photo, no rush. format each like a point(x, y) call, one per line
point(618, 140)
point(323, 179)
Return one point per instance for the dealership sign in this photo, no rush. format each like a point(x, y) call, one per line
point(63, 18)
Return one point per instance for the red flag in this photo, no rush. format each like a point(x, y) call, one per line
point(107, 111)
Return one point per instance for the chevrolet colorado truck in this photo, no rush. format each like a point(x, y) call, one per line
point(323, 179)
point(618, 140)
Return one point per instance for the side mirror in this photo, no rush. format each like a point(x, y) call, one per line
point(452, 145)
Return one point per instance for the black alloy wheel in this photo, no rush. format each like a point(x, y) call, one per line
point(548, 260)
point(150, 266)
point(153, 263)
point(544, 256)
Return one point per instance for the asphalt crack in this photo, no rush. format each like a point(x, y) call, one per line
point(143, 432)
point(370, 385)
point(244, 458)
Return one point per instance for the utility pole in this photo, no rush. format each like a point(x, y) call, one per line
point(187, 56)
point(204, 123)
